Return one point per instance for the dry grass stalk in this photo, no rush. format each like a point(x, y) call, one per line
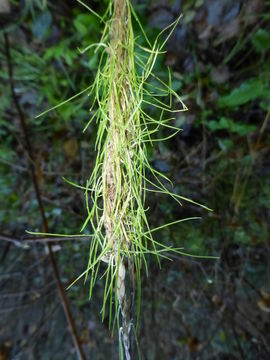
point(117, 205)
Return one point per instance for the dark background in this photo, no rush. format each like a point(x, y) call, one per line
point(191, 308)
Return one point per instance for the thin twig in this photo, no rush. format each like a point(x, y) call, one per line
point(24, 242)
point(31, 159)
point(13, 241)
point(56, 239)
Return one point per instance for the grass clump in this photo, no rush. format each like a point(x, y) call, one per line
point(116, 191)
point(124, 89)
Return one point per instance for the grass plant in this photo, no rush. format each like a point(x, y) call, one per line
point(124, 90)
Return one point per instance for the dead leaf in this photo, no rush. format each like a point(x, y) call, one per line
point(229, 30)
point(71, 148)
point(4, 352)
point(38, 167)
point(220, 74)
point(205, 34)
point(216, 300)
point(194, 344)
point(264, 303)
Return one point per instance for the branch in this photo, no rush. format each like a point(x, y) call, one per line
point(31, 160)
point(24, 242)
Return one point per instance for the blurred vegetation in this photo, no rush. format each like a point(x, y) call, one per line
point(219, 57)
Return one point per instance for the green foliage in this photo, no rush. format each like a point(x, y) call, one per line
point(250, 90)
point(87, 26)
point(261, 40)
point(231, 126)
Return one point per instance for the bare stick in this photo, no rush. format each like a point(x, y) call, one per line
point(118, 41)
point(31, 160)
